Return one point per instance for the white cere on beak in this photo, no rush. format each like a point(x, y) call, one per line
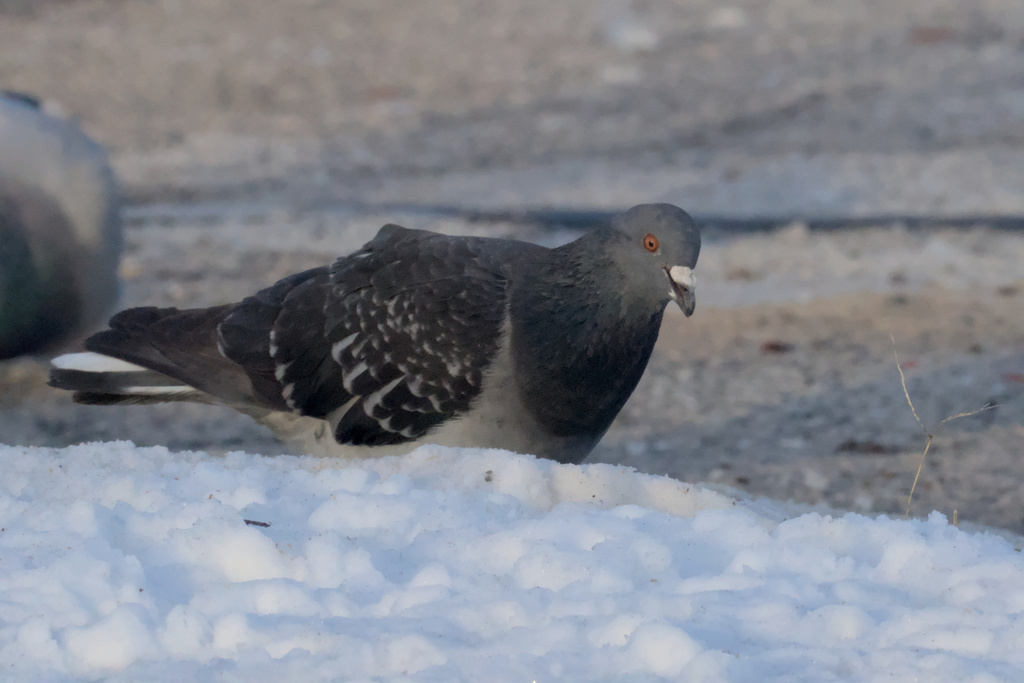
point(683, 276)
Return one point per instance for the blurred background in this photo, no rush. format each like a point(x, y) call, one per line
point(858, 165)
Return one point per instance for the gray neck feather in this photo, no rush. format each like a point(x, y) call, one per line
point(579, 350)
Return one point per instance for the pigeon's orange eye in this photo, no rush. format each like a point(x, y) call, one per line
point(650, 242)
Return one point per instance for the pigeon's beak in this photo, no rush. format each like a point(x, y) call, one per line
point(683, 287)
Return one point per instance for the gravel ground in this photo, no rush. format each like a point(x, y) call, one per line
point(795, 105)
point(254, 141)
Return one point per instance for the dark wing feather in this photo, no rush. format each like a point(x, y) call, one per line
point(390, 342)
point(246, 336)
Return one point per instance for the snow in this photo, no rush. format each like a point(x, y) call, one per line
point(123, 563)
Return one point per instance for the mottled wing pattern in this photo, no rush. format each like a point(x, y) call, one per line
point(394, 339)
point(246, 335)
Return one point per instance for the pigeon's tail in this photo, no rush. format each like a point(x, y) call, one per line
point(101, 380)
point(154, 355)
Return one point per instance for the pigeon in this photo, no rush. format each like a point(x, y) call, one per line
point(417, 338)
point(60, 230)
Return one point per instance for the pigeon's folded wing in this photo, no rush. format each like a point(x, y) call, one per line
point(388, 343)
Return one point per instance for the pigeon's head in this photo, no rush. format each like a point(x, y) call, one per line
point(657, 246)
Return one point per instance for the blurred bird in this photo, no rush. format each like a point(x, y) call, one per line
point(60, 229)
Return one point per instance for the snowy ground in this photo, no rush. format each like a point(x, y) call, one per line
point(129, 564)
point(257, 140)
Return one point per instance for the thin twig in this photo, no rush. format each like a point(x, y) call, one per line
point(920, 465)
point(903, 381)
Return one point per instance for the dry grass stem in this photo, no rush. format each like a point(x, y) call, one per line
point(927, 432)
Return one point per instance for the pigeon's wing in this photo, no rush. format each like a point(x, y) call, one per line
point(386, 344)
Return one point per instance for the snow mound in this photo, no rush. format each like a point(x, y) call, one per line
point(128, 563)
